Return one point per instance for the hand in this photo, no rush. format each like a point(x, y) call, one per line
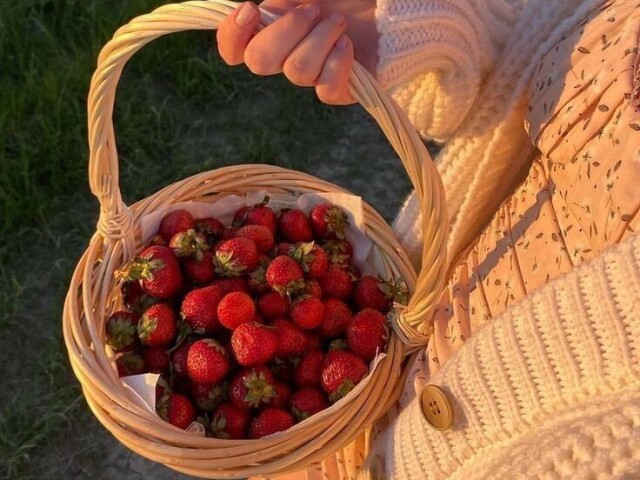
point(313, 43)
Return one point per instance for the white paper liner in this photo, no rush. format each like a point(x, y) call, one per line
point(142, 388)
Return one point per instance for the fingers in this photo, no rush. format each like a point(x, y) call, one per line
point(305, 63)
point(235, 32)
point(332, 86)
point(268, 50)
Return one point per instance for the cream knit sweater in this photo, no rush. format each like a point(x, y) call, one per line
point(551, 387)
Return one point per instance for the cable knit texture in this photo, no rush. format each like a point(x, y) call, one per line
point(548, 389)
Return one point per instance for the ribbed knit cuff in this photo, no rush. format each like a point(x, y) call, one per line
point(432, 56)
point(562, 361)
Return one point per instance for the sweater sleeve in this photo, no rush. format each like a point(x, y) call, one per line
point(433, 55)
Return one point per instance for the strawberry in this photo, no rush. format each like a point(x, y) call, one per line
point(314, 342)
point(252, 387)
point(232, 284)
point(235, 308)
point(179, 358)
point(309, 370)
point(338, 344)
point(177, 410)
point(156, 360)
point(158, 270)
point(269, 421)
point(367, 333)
point(341, 372)
point(284, 368)
point(230, 422)
point(188, 244)
point(328, 221)
point(312, 258)
point(284, 275)
point(257, 281)
point(283, 396)
point(162, 387)
point(227, 234)
point(130, 364)
point(291, 339)
point(200, 271)
point(261, 236)
point(207, 396)
point(121, 330)
point(337, 316)
point(372, 292)
point(336, 282)
point(135, 298)
point(207, 361)
point(253, 344)
point(294, 225)
point(340, 251)
point(157, 326)
point(273, 305)
point(258, 214)
point(306, 402)
point(211, 228)
point(199, 309)
point(176, 222)
point(283, 248)
point(312, 288)
point(236, 257)
point(307, 312)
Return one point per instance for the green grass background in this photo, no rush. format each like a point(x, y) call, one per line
point(179, 111)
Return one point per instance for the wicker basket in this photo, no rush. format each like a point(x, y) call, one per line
point(93, 292)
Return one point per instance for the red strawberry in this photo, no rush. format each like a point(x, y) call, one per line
point(200, 271)
point(283, 248)
point(235, 308)
point(284, 368)
point(207, 396)
point(294, 226)
point(291, 340)
point(158, 270)
point(252, 387)
point(232, 284)
point(340, 251)
point(156, 359)
point(162, 387)
point(253, 344)
point(261, 236)
point(121, 330)
point(309, 370)
point(328, 221)
point(273, 305)
point(230, 422)
point(257, 281)
point(157, 326)
point(227, 234)
point(199, 309)
point(337, 282)
point(130, 364)
point(211, 228)
point(367, 333)
point(341, 372)
point(188, 244)
point(258, 214)
point(307, 312)
point(236, 257)
point(135, 298)
point(269, 421)
point(306, 402)
point(337, 316)
point(177, 410)
point(314, 342)
point(179, 358)
point(312, 258)
point(207, 361)
point(312, 288)
point(176, 222)
point(285, 275)
point(283, 396)
point(372, 292)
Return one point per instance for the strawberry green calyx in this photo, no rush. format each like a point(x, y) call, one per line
point(219, 426)
point(142, 268)
point(146, 327)
point(189, 243)
point(259, 389)
point(342, 391)
point(303, 254)
point(162, 407)
point(121, 330)
point(227, 265)
point(338, 344)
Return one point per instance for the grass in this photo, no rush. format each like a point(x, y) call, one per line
point(179, 111)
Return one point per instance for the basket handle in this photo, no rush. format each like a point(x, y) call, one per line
point(116, 220)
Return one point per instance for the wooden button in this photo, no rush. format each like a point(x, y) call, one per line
point(436, 407)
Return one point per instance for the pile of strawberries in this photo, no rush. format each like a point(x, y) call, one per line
point(254, 326)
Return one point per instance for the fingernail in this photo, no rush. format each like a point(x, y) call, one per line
point(245, 15)
point(342, 42)
point(337, 18)
point(312, 11)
